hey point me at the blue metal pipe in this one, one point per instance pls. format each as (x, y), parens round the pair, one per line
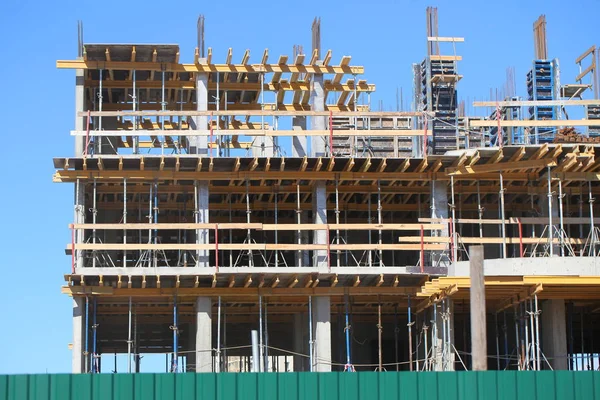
(348, 358)
(155, 210)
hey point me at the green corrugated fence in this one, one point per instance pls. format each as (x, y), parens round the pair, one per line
(491, 385)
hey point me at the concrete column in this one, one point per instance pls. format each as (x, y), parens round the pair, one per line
(203, 334)
(322, 335)
(301, 342)
(78, 335)
(199, 144)
(79, 194)
(417, 141)
(202, 236)
(320, 217)
(79, 106)
(318, 148)
(554, 333)
(439, 209)
(299, 142)
(302, 258)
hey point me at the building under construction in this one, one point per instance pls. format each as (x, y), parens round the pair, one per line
(217, 197)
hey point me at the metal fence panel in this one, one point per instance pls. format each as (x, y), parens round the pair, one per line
(491, 385)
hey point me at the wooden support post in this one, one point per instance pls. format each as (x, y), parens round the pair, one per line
(478, 322)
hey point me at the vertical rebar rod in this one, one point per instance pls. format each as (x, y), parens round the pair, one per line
(550, 230)
(502, 216)
(129, 339)
(218, 361)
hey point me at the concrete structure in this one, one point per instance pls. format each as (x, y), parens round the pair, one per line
(195, 197)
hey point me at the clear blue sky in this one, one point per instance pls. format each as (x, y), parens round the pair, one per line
(38, 103)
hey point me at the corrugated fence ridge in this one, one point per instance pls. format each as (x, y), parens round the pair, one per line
(491, 385)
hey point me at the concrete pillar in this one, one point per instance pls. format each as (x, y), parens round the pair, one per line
(322, 334)
(554, 333)
(320, 217)
(199, 144)
(79, 194)
(439, 209)
(202, 235)
(299, 142)
(79, 106)
(318, 148)
(203, 334)
(301, 342)
(78, 335)
(417, 141)
(302, 258)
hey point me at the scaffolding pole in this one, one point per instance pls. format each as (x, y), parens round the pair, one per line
(337, 222)
(550, 230)
(124, 221)
(410, 343)
(562, 225)
(502, 217)
(453, 207)
(218, 362)
(129, 339)
(299, 220)
(310, 336)
(379, 221)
